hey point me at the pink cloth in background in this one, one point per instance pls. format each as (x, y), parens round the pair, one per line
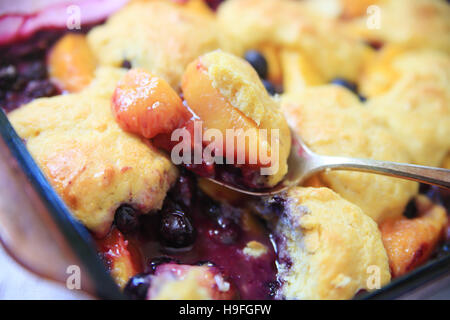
(19, 19)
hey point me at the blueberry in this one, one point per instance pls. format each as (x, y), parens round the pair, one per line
(350, 86)
(277, 204)
(439, 196)
(34, 70)
(258, 62)
(155, 262)
(39, 88)
(269, 206)
(213, 209)
(344, 83)
(410, 210)
(176, 229)
(8, 75)
(227, 233)
(126, 219)
(269, 87)
(137, 287)
(126, 64)
(184, 190)
(443, 250)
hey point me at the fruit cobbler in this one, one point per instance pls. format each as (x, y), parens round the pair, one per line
(98, 110)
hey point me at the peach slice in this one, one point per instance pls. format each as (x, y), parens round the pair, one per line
(216, 112)
(119, 257)
(410, 242)
(298, 71)
(353, 9)
(71, 63)
(147, 105)
(272, 56)
(379, 73)
(220, 193)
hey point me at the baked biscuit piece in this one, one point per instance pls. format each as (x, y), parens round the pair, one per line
(288, 23)
(157, 36)
(414, 23)
(328, 248)
(93, 164)
(332, 121)
(412, 95)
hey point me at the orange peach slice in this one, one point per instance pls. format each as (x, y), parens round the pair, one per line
(410, 242)
(216, 112)
(147, 105)
(71, 63)
(119, 257)
(220, 193)
(272, 56)
(352, 9)
(379, 73)
(298, 71)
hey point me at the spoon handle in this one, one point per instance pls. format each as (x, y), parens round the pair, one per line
(430, 175)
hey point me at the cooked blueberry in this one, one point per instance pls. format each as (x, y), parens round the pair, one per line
(137, 286)
(410, 210)
(8, 75)
(126, 64)
(423, 188)
(443, 250)
(269, 87)
(258, 62)
(213, 210)
(439, 196)
(227, 232)
(126, 219)
(270, 205)
(344, 83)
(155, 262)
(39, 88)
(362, 98)
(176, 229)
(277, 204)
(184, 190)
(34, 70)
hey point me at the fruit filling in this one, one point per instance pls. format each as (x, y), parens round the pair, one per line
(192, 230)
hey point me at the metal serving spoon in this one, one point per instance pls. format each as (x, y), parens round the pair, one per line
(303, 163)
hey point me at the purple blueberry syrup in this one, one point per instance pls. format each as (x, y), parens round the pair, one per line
(23, 68)
(220, 239)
